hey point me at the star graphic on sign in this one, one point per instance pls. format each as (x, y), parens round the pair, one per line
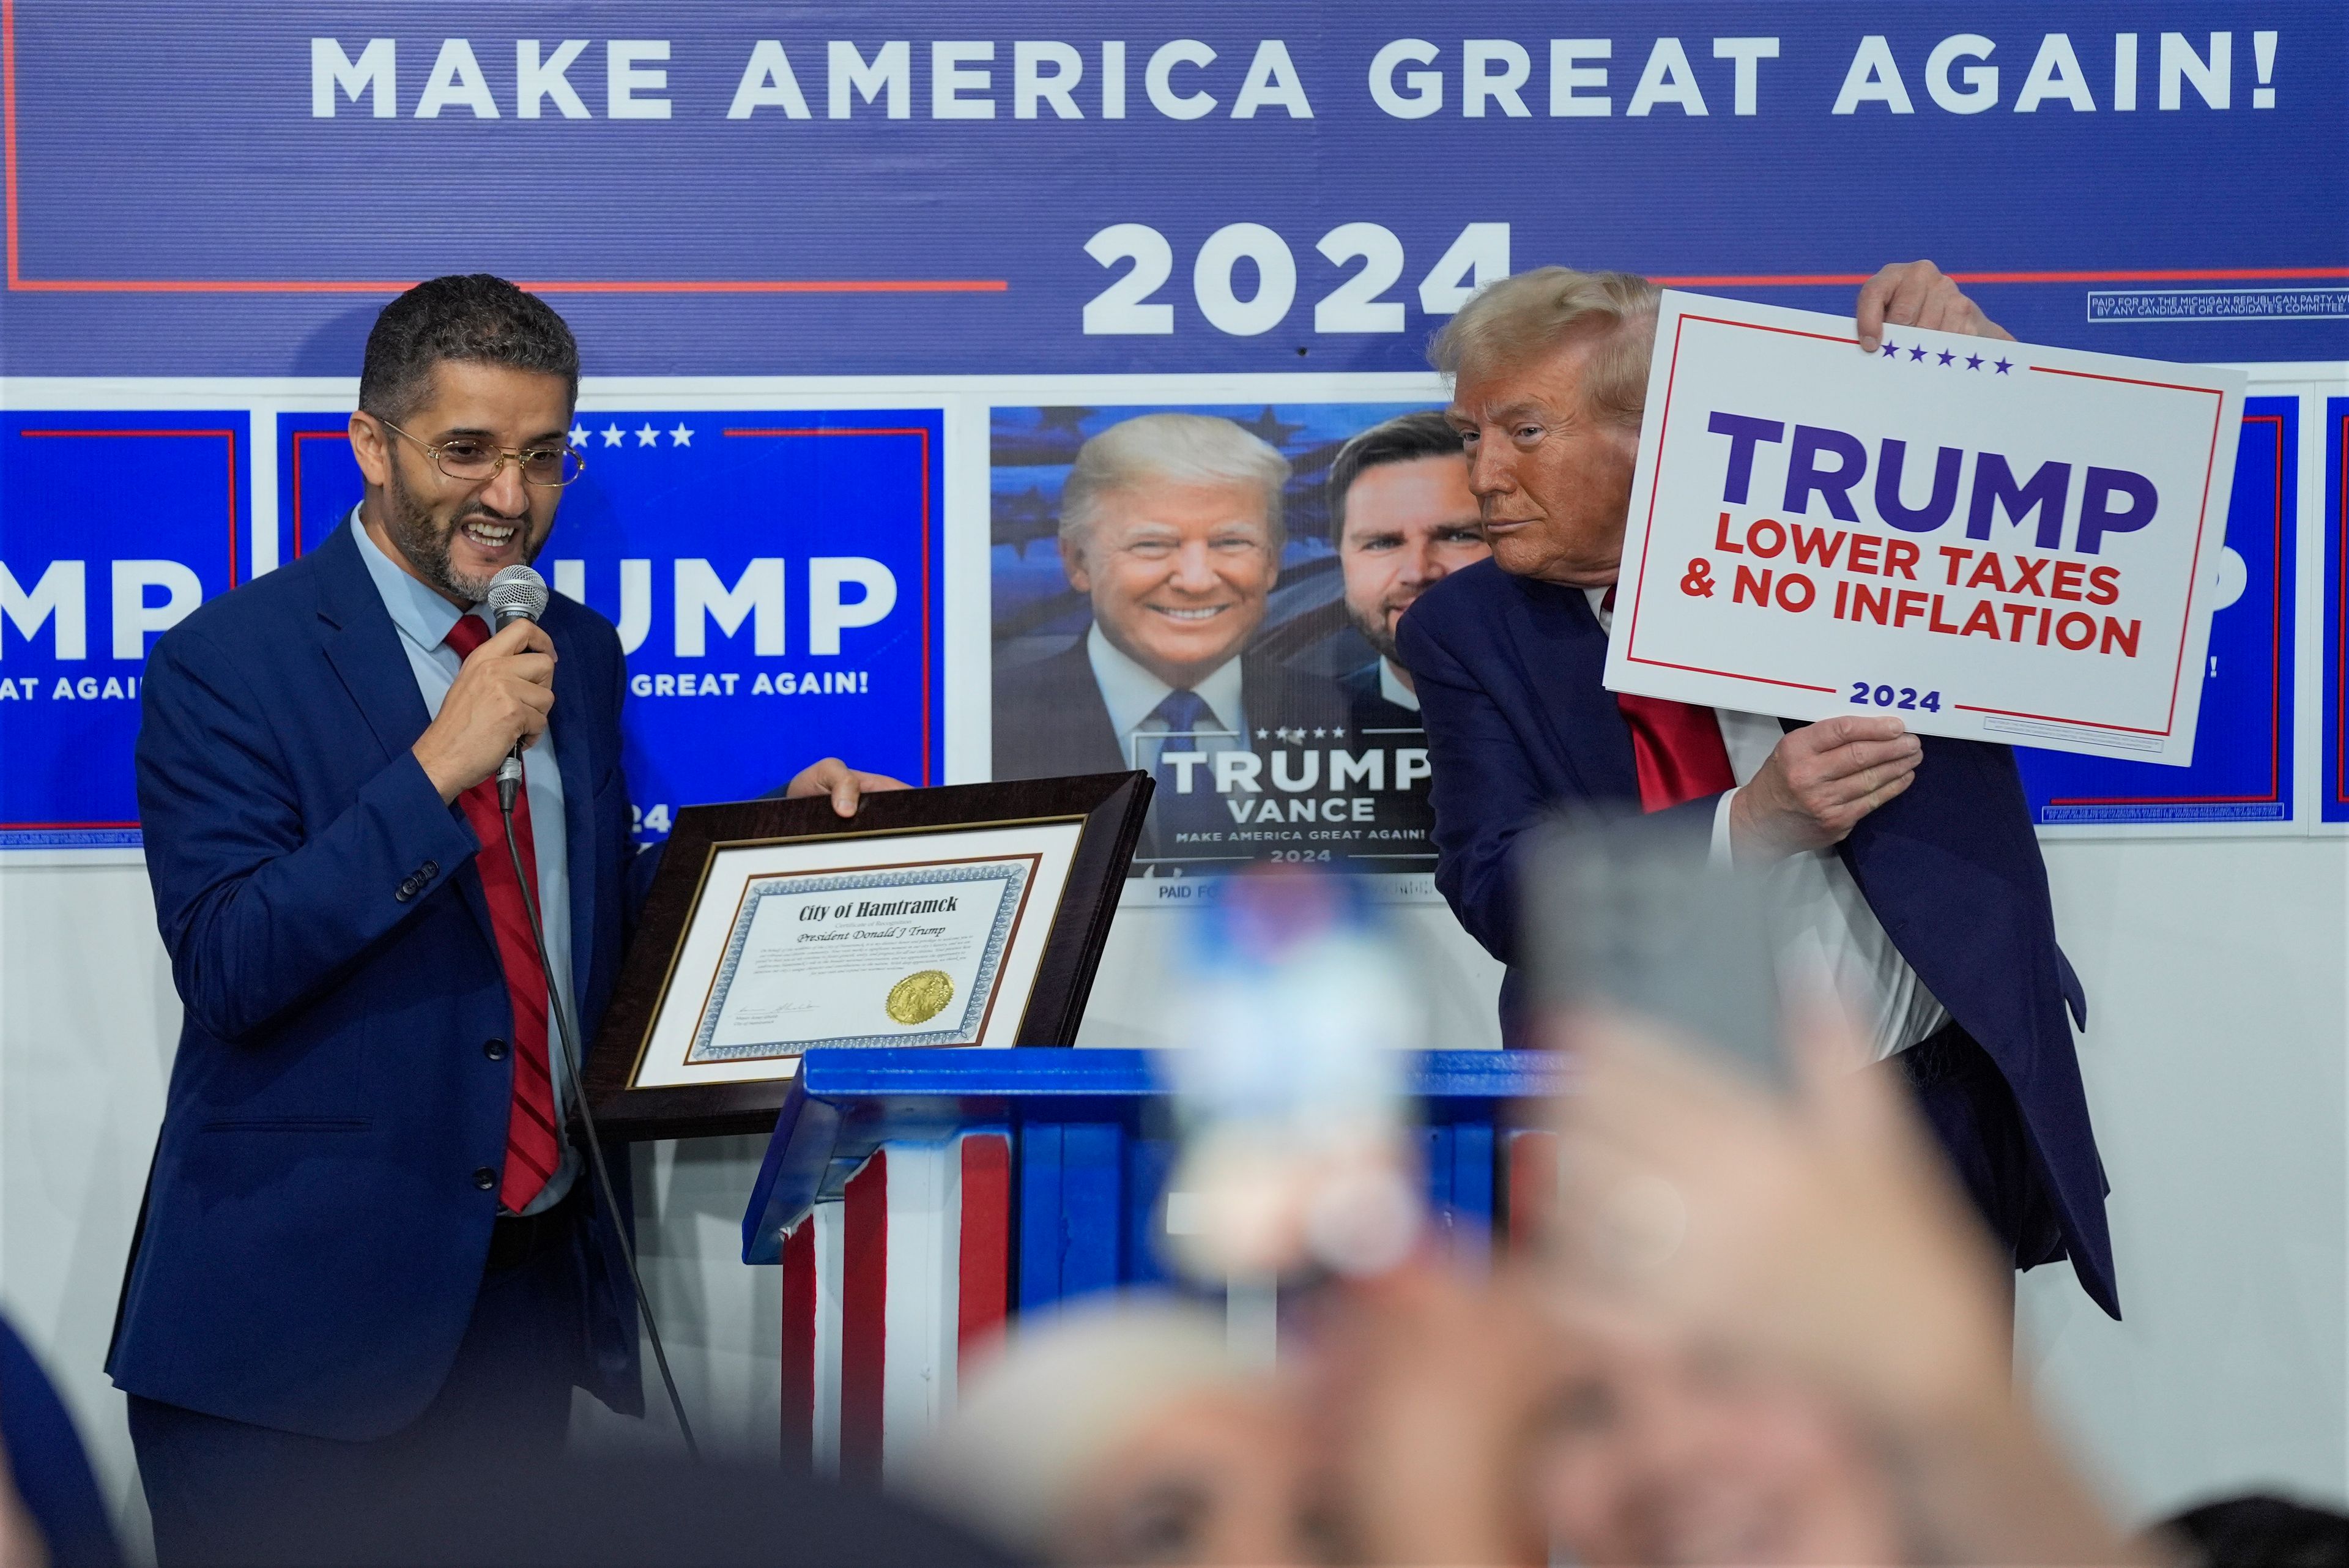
(1915, 353)
(1891, 349)
(680, 436)
(1946, 357)
(1264, 734)
(1320, 732)
(612, 435)
(1973, 361)
(1335, 730)
(648, 436)
(2004, 366)
(578, 435)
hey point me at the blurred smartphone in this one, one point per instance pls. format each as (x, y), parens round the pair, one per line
(1627, 913)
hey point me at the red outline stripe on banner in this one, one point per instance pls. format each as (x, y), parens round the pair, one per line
(18, 282)
(2275, 688)
(231, 437)
(923, 432)
(863, 1318)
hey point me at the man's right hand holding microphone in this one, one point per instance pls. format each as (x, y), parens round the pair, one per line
(502, 694)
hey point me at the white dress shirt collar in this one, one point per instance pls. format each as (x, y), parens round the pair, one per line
(1391, 688)
(1598, 598)
(1132, 692)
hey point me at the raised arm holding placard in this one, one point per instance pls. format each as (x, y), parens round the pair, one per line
(1910, 876)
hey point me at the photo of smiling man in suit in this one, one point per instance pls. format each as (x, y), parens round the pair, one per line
(1170, 523)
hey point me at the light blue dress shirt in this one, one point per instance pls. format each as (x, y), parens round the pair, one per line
(424, 618)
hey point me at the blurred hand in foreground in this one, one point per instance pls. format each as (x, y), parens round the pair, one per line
(1816, 1236)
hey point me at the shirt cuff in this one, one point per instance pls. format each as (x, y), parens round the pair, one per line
(1720, 857)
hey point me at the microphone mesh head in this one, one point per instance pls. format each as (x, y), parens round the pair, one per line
(515, 594)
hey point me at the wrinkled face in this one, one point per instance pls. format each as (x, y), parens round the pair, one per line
(1223, 1476)
(1662, 1459)
(1407, 525)
(1178, 574)
(1552, 480)
(456, 534)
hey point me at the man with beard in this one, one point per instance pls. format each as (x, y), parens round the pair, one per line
(1171, 527)
(1404, 518)
(365, 1234)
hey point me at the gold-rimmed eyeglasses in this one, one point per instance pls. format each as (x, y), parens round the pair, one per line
(471, 460)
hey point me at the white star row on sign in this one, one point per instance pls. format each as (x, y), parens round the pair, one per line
(682, 435)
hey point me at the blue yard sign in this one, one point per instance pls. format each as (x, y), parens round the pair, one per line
(775, 577)
(2242, 751)
(113, 526)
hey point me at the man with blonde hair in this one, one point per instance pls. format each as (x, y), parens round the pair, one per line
(1171, 525)
(1903, 869)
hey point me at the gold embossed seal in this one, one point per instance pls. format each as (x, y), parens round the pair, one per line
(920, 996)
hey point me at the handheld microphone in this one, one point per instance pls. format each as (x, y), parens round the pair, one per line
(517, 593)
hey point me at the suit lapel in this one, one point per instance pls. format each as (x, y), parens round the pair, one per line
(364, 648)
(1562, 654)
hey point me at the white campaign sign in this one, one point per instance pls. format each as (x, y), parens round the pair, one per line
(1984, 539)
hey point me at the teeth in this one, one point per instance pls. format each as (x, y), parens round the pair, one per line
(489, 534)
(1190, 614)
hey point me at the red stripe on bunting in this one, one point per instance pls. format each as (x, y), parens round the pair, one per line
(986, 1285)
(798, 1346)
(863, 1318)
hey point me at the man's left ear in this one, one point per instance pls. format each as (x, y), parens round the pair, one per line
(369, 446)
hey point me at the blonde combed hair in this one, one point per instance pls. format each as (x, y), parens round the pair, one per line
(1170, 449)
(1524, 316)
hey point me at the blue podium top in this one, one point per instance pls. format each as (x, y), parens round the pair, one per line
(847, 1103)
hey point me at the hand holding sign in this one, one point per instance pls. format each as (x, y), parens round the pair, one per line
(1817, 784)
(1989, 541)
(1919, 294)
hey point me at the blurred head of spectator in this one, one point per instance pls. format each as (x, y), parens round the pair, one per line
(1125, 1432)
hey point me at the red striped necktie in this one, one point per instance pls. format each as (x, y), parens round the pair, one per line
(534, 1149)
(1677, 746)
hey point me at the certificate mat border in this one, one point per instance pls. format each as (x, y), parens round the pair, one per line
(1003, 932)
(1110, 806)
(709, 862)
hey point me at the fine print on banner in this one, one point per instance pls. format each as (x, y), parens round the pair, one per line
(1984, 539)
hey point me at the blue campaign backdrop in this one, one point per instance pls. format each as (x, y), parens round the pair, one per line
(775, 577)
(1210, 186)
(2242, 745)
(734, 187)
(153, 508)
(2336, 770)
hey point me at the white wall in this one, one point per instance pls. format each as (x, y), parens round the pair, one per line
(2216, 1069)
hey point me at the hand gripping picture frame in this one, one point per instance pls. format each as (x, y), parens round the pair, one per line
(966, 916)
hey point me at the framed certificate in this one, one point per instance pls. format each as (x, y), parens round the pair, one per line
(972, 915)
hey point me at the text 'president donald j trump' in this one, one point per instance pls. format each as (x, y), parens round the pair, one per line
(1904, 867)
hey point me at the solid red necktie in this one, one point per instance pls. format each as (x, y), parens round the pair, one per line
(533, 1148)
(1677, 746)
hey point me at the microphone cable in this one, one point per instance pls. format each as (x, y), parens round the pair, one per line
(561, 1006)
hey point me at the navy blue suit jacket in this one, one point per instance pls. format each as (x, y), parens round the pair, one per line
(314, 1234)
(1508, 675)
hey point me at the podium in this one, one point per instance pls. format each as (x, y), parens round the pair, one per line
(917, 1199)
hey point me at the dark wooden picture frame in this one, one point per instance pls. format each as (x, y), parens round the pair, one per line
(1112, 807)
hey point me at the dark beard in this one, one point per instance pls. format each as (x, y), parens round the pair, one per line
(409, 523)
(1373, 628)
